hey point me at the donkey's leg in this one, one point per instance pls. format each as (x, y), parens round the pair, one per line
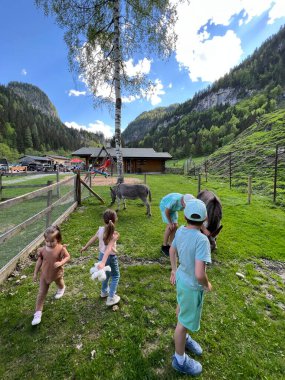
(118, 201)
(147, 206)
(124, 200)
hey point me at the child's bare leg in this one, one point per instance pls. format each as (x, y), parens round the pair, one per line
(172, 234)
(42, 295)
(167, 234)
(60, 283)
(180, 339)
(177, 311)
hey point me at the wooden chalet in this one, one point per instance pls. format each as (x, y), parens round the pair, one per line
(136, 160)
(26, 160)
(59, 160)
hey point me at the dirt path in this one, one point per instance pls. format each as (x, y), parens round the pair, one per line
(110, 181)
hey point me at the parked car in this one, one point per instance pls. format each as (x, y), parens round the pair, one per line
(4, 168)
(47, 168)
(34, 166)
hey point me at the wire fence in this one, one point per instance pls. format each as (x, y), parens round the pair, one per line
(259, 171)
(24, 218)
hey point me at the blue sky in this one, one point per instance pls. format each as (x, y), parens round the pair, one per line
(213, 36)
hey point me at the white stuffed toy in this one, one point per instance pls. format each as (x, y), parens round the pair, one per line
(99, 273)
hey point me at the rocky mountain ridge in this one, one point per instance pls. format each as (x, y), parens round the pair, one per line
(35, 97)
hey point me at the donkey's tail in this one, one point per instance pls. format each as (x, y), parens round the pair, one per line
(149, 195)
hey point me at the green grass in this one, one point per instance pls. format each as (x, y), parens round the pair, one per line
(242, 328)
(21, 180)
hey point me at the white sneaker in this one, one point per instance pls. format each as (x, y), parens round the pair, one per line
(59, 293)
(37, 318)
(113, 300)
(104, 294)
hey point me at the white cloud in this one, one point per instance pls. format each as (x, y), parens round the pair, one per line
(142, 67)
(73, 124)
(130, 99)
(153, 95)
(100, 126)
(76, 93)
(170, 85)
(209, 57)
(97, 126)
(24, 72)
(277, 11)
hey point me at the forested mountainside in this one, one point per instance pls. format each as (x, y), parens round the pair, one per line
(29, 124)
(33, 95)
(215, 116)
(138, 128)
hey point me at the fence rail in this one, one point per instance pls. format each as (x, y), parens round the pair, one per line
(24, 218)
(33, 194)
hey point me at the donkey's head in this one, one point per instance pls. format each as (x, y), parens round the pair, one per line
(214, 211)
(212, 238)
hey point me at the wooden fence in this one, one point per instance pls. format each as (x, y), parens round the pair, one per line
(74, 194)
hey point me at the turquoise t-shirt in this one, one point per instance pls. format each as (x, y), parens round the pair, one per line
(171, 201)
(190, 244)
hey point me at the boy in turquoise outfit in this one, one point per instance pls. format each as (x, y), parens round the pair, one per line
(169, 205)
(193, 249)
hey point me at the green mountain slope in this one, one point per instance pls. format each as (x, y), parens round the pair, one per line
(253, 153)
(215, 116)
(29, 124)
(138, 128)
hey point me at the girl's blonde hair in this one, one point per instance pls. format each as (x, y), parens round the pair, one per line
(110, 218)
(54, 233)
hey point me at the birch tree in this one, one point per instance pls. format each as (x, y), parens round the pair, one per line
(102, 38)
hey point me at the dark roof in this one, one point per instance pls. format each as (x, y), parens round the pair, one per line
(54, 156)
(34, 158)
(127, 153)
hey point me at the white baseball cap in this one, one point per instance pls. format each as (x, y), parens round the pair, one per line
(195, 210)
(187, 197)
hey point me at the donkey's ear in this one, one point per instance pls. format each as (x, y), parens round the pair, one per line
(216, 233)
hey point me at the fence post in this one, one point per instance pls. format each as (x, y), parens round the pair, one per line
(75, 188)
(249, 189)
(49, 202)
(57, 180)
(89, 180)
(230, 170)
(0, 187)
(199, 182)
(78, 188)
(206, 170)
(275, 174)
(144, 178)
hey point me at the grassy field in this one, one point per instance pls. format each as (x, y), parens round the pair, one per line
(242, 330)
(26, 180)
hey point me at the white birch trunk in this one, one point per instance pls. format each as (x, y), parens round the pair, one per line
(117, 81)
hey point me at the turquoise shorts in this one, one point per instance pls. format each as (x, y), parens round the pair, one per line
(190, 303)
(173, 216)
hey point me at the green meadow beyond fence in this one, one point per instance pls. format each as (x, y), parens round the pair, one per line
(24, 218)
